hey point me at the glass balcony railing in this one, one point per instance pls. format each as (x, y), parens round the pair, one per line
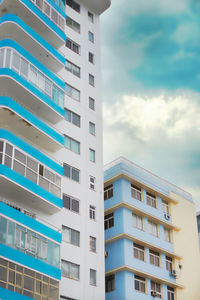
(25, 165)
(10, 58)
(51, 12)
(29, 242)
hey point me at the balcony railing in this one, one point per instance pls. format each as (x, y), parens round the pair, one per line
(25, 165)
(10, 58)
(50, 12)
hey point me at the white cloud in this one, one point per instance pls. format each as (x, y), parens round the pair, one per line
(174, 116)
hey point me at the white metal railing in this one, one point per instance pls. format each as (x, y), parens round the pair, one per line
(10, 58)
(17, 160)
(50, 12)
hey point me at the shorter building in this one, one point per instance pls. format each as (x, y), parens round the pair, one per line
(151, 236)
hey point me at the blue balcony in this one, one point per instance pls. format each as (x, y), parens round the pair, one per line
(25, 79)
(29, 242)
(28, 176)
(48, 20)
(14, 28)
(19, 121)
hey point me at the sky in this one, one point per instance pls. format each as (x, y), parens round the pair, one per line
(151, 87)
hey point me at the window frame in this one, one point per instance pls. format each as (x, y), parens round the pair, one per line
(138, 251)
(110, 281)
(71, 200)
(108, 192)
(141, 283)
(109, 221)
(154, 258)
(136, 192)
(137, 220)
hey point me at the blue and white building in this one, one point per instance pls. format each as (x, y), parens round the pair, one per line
(151, 238)
(51, 206)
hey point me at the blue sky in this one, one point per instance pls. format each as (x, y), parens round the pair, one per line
(151, 87)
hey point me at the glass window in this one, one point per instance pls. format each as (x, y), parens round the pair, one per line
(151, 200)
(156, 289)
(91, 57)
(75, 175)
(74, 5)
(167, 235)
(91, 103)
(90, 17)
(170, 293)
(92, 183)
(91, 80)
(108, 192)
(72, 117)
(154, 258)
(138, 251)
(72, 92)
(137, 221)
(110, 283)
(91, 36)
(73, 24)
(24, 68)
(16, 61)
(71, 236)
(67, 170)
(8, 58)
(91, 128)
(69, 66)
(136, 192)
(71, 172)
(153, 228)
(92, 277)
(2, 54)
(92, 212)
(70, 270)
(73, 46)
(108, 221)
(92, 155)
(169, 263)
(140, 284)
(92, 244)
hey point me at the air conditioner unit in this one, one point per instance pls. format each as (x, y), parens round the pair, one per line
(153, 294)
(167, 216)
(106, 253)
(174, 273)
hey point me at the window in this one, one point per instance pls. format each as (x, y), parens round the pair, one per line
(14, 60)
(91, 128)
(108, 192)
(73, 24)
(91, 103)
(92, 183)
(167, 235)
(92, 212)
(70, 203)
(169, 263)
(154, 258)
(138, 251)
(153, 228)
(73, 118)
(90, 17)
(74, 69)
(136, 192)
(29, 242)
(137, 221)
(156, 287)
(92, 244)
(72, 144)
(30, 168)
(70, 270)
(17, 278)
(170, 293)
(140, 284)
(93, 275)
(108, 221)
(71, 172)
(92, 155)
(165, 207)
(110, 283)
(73, 46)
(91, 36)
(72, 92)
(71, 236)
(151, 200)
(91, 79)
(91, 57)
(74, 5)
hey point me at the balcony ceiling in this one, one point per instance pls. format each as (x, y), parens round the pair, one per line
(97, 6)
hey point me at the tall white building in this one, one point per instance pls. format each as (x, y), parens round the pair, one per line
(51, 168)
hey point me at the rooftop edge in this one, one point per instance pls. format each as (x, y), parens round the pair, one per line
(97, 6)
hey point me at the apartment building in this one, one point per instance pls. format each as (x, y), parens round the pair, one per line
(51, 198)
(151, 236)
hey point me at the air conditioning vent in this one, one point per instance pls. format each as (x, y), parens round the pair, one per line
(106, 254)
(153, 294)
(174, 273)
(167, 216)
